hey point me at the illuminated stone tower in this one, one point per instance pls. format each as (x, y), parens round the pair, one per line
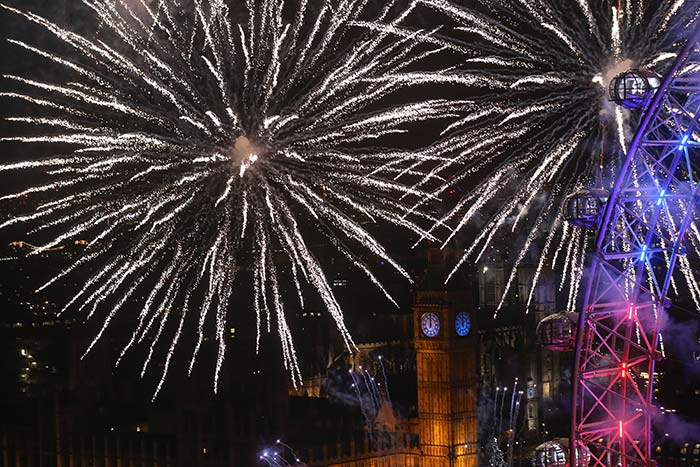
(446, 365)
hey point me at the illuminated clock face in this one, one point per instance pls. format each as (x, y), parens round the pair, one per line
(430, 324)
(462, 323)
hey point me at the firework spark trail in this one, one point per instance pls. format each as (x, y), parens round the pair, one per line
(374, 385)
(662, 243)
(570, 254)
(207, 145)
(575, 276)
(540, 264)
(495, 404)
(356, 387)
(541, 115)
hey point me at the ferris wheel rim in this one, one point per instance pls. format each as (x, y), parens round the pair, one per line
(651, 112)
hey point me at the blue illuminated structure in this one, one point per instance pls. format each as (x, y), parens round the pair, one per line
(463, 324)
(637, 247)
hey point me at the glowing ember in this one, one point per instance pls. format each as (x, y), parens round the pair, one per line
(244, 154)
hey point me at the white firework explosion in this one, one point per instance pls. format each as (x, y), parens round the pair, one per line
(204, 135)
(540, 125)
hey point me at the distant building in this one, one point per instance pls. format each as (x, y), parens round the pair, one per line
(442, 432)
(508, 346)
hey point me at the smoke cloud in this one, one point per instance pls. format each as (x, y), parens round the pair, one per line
(676, 428)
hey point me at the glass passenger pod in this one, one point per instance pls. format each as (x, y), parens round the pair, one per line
(551, 454)
(634, 89)
(557, 332)
(585, 207)
(555, 453)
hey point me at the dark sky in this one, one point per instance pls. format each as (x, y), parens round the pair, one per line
(22, 276)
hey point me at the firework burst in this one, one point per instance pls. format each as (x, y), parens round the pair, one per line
(540, 124)
(207, 140)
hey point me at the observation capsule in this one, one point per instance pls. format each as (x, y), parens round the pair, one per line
(551, 454)
(585, 207)
(557, 332)
(634, 89)
(555, 453)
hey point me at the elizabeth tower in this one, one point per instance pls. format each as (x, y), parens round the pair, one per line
(445, 345)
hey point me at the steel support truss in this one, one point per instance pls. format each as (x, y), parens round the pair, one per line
(638, 245)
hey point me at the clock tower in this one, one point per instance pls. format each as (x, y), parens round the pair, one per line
(446, 369)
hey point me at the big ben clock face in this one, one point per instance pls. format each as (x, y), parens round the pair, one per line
(463, 324)
(430, 324)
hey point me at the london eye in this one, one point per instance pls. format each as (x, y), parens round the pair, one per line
(641, 230)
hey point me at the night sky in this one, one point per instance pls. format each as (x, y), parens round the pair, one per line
(116, 398)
